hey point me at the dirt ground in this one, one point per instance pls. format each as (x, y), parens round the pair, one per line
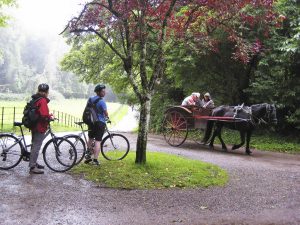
(263, 189)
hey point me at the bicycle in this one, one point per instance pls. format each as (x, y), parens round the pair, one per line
(13, 149)
(113, 146)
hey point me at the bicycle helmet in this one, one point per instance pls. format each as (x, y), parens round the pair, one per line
(43, 87)
(99, 87)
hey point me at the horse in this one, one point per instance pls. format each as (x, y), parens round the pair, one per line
(244, 119)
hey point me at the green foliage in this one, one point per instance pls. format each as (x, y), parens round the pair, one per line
(4, 17)
(28, 60)
(165, 96)
(264, 140)
(272, 76)
(214, 72)
(93, 61)
(11, 97)
(161, 171)
(277, 76)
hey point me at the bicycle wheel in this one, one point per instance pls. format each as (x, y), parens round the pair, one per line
(10, 151)
(115, 147)
(59, 154)
(79, 145)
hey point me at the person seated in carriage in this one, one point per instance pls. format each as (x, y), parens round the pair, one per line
(207, 102)
(193, 99)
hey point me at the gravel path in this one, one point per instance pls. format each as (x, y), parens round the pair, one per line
(263, 189)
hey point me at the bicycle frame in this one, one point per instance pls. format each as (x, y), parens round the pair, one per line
(84, 135)
(22, 141)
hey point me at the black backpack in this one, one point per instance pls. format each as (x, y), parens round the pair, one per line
(90, 113)
(30, 117)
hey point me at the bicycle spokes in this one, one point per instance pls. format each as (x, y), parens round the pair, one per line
(10, 151)
(59, 154)
(115, 147)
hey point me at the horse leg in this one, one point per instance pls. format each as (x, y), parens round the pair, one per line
(220, 138)
(215, 133)
(209, 128)
(242, 134)
(249, 133)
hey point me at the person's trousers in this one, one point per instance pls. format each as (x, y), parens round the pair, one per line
(37, 141)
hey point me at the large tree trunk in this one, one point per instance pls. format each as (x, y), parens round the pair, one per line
(141, 144)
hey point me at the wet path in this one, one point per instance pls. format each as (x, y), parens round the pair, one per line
(263, 189)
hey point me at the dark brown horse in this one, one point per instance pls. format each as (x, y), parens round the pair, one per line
(246, 119)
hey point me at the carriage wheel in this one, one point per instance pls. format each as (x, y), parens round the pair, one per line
(175, 128)
(197, 135)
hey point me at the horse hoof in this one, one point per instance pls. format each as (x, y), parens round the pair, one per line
(248, 152)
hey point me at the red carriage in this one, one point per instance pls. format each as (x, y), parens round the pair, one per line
(179, 121)
(183, 121)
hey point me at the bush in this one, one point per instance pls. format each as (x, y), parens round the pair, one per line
(12, 97)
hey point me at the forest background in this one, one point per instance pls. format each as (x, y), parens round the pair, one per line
(270, 76)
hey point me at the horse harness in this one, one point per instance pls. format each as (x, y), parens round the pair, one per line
(254, 120)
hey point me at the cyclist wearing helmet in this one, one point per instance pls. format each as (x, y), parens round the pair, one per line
(97, 130)
(38, 132)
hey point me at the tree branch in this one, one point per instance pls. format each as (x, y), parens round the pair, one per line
(160, 58)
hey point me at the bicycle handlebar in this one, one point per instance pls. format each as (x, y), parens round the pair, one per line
(53, 119)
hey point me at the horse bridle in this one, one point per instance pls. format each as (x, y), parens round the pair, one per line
(261, 120)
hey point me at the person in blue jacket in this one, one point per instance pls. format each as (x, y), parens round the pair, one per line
(96, 131)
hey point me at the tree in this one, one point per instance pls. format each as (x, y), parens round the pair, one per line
(142, 32)
(277, 76)
(3, 16)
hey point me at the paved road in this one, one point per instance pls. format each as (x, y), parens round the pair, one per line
(263, 189)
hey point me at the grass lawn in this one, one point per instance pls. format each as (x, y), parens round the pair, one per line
(73, 107)
(161, 171)
(264, 140)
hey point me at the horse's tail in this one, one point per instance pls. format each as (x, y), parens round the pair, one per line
(208, 131)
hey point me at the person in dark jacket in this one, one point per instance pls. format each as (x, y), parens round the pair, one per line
(39, 131)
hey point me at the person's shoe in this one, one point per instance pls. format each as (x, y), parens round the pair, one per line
(35, 170)
(40, 166)
(87, 156)
(26, 156)
(95, 162)
(87, 161)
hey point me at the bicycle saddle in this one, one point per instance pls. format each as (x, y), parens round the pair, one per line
(79, 123)
(18, 124)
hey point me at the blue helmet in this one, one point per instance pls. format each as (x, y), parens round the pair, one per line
(99, 87)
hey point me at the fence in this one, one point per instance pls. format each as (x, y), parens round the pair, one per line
(10, 114)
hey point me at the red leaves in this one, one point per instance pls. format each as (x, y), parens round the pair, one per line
(192, 20)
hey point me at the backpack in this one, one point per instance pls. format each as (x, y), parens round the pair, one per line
(90, 113)
(30, 117)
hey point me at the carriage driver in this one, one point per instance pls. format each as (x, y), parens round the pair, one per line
(193, 99)
(207, 102)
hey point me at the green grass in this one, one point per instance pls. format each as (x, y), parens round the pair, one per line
(161, 171)
(118, 114)
(72, 107)
(75, 107)
(266, 141)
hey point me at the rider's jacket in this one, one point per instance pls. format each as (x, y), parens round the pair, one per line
(43, 111)
(209, 104)
(188, 101)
